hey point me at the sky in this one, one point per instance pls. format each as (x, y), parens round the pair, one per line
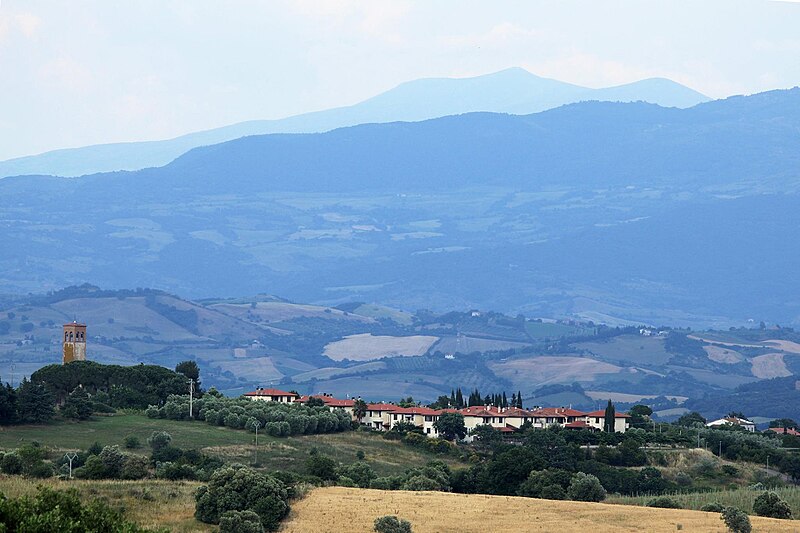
(97, 71)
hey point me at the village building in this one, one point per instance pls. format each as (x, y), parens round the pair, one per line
(271, 395)
(733, 421)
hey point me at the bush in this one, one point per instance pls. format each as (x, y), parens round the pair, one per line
(713, 507)
(736, 520)
(132, 442)
(586, 488)
(361, 474)
(771, 505)
(240, 522)
(553, 492)
(238, 488)
(52, 510)
(322, 467)
(664, 502)
(159, 440)
(135, 467)
(392, 524)
(419, 483)
(11, 464)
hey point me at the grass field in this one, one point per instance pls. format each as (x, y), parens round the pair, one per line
(274, 453)
(742, 498)
(336, 509)
(149, 503)
(364, 347)
(633, 349)
(550, 369)
(543, 330)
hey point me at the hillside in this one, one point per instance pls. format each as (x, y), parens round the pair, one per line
(510, 91)
(387, 354)
(335, 509)
(474, 211)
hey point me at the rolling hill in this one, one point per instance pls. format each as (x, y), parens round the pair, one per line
(510, 91)
(616, 213)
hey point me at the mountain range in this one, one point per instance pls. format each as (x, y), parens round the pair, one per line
(514, 91)
(611, 212)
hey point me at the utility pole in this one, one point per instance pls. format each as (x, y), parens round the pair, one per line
(191, 395)
(70, 456)
(720, 449)
(256, 426)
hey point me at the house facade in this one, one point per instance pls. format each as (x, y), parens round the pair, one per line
(271, 395)
(733, 421)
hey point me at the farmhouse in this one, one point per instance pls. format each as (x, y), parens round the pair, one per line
(271, 395)
(733, 421)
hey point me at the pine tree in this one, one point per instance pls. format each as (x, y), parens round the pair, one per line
(35, 403)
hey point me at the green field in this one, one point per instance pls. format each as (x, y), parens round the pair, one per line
(543, 330)
(633, 349)
(742, 498)
(274, 453)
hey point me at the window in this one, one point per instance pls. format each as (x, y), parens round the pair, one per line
(427, 430)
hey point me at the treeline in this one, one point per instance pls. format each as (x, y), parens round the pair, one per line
(81, 388)
(456, 400)
(276, 419)
(133, 387)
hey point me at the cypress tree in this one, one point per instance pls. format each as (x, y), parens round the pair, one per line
(610, 417)
(519, 399)
(505, 400)
(459, 398)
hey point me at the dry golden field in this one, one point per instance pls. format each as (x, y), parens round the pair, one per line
(339, 509)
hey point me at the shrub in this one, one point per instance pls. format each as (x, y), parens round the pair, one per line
(420, 482)
(392, 524)
(135, 467)
(736, 520)
(240, 522)
(322, 467)
(771, 505)
(52, 510)
(238, 488)
(361, 474)
(586, 488)
(553, 492)
(664, 502)
(11, 464)
(713, 507)
(159, 440)
(132, 442)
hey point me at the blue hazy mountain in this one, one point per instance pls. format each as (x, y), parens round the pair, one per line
(513, 91)
(607, 211)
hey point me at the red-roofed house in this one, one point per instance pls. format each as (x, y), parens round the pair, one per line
(597, 419)
(785, 431)
(271, 395)
(331, 403)
(548, 416)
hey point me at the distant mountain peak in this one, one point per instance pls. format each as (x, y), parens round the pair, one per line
(512, 90)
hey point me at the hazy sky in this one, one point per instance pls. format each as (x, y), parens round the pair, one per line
(92, 71)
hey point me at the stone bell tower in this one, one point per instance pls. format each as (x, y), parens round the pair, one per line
(74, 342)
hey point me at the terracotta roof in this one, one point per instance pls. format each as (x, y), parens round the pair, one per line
(506, 429)
(556, 412)
(416, 411)
(785, 431)
(602, 414)
(269, 392)
(381, 407)
(334, 402)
